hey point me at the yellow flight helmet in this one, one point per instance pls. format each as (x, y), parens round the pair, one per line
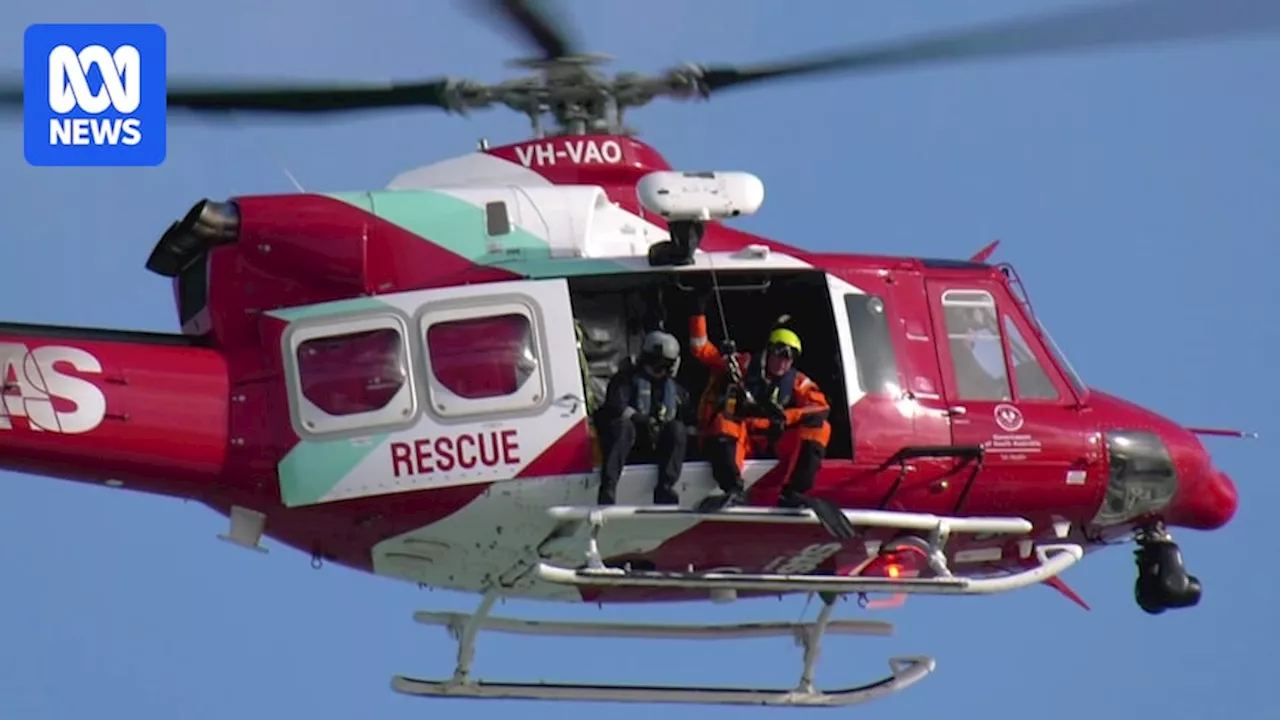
(783, 336)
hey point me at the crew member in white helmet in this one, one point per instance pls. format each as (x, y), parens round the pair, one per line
(645, 411)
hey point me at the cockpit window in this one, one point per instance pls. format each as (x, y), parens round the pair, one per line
(1032, 381)
(1077, 383)
(977, 352)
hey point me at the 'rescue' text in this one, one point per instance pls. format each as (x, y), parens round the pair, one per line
(447, 453)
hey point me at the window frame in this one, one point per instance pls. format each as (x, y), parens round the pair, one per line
(310, 421)
(526, 401)
(1043, 357)
(1000, 338)
(863, 353)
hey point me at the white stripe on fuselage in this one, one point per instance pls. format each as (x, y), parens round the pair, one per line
(496, 537)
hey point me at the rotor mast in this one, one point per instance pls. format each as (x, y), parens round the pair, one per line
(569, 96)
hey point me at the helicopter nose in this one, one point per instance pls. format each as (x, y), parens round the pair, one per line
(1208, 504)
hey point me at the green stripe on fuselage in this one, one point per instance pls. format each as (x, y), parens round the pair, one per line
(453, 224)
(462, 228)
(312, 470)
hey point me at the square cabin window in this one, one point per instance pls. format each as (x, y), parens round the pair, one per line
(351, 376)
(481, 364)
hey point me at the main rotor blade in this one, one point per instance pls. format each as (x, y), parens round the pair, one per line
(1130, 23)
(535, 22)
(300, 99)
(308, 99)
(11, 91)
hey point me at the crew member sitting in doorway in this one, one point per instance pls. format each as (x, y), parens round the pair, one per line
(644, 406)
(754, 403)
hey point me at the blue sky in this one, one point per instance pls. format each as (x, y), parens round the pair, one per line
(1134, 190)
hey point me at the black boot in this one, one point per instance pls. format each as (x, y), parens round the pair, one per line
(722, 454)
(803, 475)
(665, 496)
(716, 503)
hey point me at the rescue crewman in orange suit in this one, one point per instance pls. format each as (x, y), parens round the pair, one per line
(753, 403)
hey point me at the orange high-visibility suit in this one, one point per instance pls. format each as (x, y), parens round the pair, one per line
(794, 410)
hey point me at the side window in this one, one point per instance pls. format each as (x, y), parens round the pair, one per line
(483, 360)
(497, 221)
(1028, 374)
(352, 375)
(977, 352)
(872, 344)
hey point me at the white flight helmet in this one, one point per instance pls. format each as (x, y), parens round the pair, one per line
(663, 347)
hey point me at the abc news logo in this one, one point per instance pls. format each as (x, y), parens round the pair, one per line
(69, 89)
(94, 95)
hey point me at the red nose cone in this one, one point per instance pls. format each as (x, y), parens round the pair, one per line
(1211, 504)
(1224, 500)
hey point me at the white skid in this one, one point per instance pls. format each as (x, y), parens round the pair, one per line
(906, 671)
(1053, 560)
(866, 518)
(516, 626)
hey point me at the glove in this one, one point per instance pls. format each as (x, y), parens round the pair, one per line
(732, 367)
(645, 424)
(777, 421)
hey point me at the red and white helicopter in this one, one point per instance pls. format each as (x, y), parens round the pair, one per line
(400, 380)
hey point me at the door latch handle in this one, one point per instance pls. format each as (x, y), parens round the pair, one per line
(573, 401)
(957, 410)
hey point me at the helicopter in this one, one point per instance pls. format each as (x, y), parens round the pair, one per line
(401, 380)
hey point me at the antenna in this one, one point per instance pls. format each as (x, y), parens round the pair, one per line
(297, 185)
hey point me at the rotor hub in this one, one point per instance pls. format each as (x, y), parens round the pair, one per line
(577, 60)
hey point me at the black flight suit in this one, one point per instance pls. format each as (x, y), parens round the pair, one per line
(651, 414)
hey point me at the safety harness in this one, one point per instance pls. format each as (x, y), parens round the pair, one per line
(642, 397)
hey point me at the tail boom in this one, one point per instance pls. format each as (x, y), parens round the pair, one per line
(146, 411)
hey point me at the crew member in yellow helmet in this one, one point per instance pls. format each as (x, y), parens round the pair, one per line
(753, 404)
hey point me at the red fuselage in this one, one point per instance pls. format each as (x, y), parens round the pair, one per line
(204, 415)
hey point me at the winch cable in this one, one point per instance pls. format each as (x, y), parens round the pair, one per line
(715, 289)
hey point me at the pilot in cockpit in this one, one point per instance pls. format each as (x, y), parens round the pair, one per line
(977, 352)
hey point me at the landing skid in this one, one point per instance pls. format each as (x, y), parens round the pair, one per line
(905, 671)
